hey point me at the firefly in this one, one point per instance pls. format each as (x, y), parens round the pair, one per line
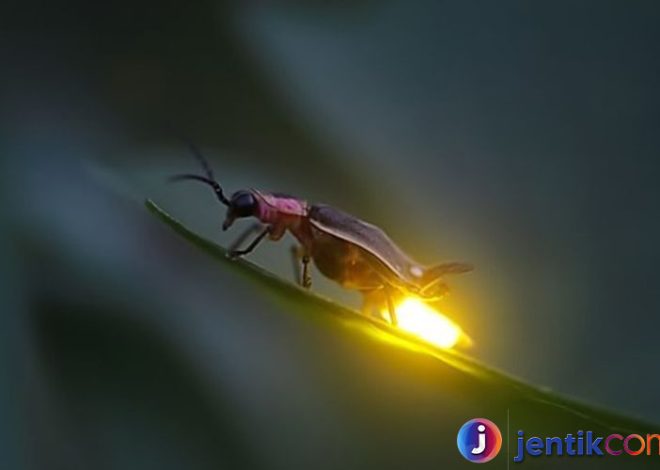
(354, 253)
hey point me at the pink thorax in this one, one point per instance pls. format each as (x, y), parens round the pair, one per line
(271, 208)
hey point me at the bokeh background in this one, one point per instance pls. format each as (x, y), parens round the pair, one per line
(519, 136)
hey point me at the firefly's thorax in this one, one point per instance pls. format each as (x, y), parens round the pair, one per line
(274, 207)
(269, 208)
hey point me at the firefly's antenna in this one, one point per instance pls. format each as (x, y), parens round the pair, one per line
(208, 179)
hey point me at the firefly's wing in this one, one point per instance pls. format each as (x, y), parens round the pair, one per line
(434, 274)
(368, 237)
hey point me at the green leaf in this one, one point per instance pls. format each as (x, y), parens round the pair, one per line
(471, 389)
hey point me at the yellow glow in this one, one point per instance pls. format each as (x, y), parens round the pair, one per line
(416, 317)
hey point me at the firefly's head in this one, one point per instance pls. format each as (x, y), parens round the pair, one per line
(242, 203)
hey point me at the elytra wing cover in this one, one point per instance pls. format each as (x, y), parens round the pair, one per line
(367, 236)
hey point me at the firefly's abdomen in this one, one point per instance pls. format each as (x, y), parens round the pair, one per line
(343, 262)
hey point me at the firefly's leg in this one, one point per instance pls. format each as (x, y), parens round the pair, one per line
(306, 278)
(390, 305)
(298, 255)
(374, 300)
(243, 236)
(251, 246)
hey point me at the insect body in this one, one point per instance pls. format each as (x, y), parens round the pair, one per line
(354, 253)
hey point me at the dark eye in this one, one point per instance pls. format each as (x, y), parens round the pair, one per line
(243, 204)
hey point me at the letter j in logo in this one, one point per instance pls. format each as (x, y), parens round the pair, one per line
(479, 440)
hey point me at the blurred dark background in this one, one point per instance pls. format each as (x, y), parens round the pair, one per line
(519, 136)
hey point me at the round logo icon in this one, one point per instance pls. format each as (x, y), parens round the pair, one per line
(479, 440)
